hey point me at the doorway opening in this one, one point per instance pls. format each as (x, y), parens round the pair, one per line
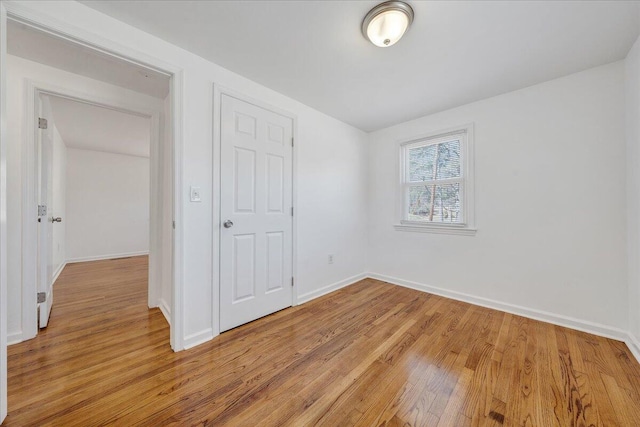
(111, 119)
(94, 190)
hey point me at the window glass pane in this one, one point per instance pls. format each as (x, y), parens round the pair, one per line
(421, 160)
(438, 161)
(449, 160)
(435, 203)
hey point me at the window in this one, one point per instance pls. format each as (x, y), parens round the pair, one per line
(437, 187)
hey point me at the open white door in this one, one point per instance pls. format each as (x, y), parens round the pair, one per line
(256, 243)
(3, 213)
(46, 220)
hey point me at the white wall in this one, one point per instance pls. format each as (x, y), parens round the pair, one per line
(59, 166)
(107, 205)
(328, 151)
(550, 203)
(632, 91)
(18, 71)
(332, 205)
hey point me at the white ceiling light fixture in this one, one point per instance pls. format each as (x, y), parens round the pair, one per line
(386, 23)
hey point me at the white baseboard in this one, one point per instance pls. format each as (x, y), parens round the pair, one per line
(634, 345)
(544, 316)
(165, 309)
(58, 271)
(14, 338)
(330, 288)
(197, 338)
(103, 257)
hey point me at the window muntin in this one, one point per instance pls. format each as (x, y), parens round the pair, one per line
(434, 180)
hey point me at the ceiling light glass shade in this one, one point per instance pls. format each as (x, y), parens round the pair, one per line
(386, 23)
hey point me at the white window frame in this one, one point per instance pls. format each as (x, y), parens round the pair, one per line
(467, 225)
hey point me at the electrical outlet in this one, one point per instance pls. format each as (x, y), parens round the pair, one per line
(331, 259)
(195, 194)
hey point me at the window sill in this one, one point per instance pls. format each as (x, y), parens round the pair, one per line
(419, 228)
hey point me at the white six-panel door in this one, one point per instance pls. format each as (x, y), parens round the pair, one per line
(256, 227)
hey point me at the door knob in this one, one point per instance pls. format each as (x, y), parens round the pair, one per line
(58, 219)
(228, 224)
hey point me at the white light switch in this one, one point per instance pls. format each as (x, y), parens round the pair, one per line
(195, 194)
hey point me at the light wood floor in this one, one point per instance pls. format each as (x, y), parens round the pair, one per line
(371, 354)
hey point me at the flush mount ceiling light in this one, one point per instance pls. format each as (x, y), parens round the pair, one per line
(386, 23)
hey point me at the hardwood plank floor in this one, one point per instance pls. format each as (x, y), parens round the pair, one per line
(372, 354)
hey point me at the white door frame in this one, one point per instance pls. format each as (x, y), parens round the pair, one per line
(218, 91)
(3, 213)
(27, 15)
(33, 90)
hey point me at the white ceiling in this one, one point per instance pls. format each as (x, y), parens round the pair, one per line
(29, 43)
(455, 52)
(90, 127)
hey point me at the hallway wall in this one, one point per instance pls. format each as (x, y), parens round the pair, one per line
(107, 205)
